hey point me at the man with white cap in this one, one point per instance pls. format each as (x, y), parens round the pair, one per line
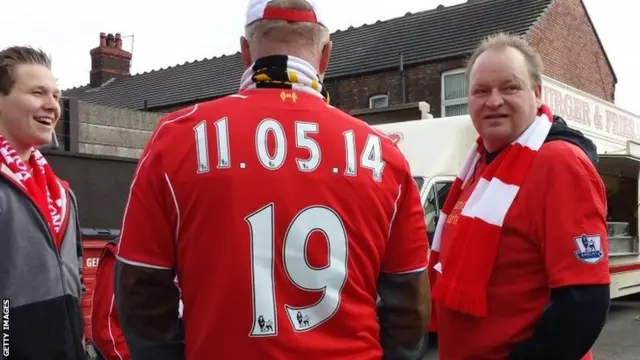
(283, 217)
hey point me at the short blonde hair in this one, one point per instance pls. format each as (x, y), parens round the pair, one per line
(13, 56)
(502, 41)
(282, 31)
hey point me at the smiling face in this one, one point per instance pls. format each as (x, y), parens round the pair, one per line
(503, 100)
(30, 110)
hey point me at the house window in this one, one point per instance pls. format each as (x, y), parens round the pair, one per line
(454, 93)
(378, 101)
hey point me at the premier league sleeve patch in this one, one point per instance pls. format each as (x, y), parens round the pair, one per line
(589, 248)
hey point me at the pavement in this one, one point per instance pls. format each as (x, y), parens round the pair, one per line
(620, 338)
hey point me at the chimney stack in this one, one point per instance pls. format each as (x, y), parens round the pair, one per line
(109, 60)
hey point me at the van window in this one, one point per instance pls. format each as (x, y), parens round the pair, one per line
(435, 200)
(419, 181)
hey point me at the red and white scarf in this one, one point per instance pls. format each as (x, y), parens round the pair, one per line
(42, 187)
(463, 277)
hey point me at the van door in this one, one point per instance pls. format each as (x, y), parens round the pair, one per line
(619, 173)
(437, 191)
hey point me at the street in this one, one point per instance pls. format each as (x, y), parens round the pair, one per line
(620, 339)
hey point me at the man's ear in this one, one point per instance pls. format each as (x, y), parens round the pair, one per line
(246, 52)
(538, 92)
(324, 59)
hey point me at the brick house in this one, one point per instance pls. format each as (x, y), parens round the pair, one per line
(382, 71)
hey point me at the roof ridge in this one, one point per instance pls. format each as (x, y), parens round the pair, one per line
(539, 19)
(187, 62)
(439, 7)
(152, 71)
(423, 36)
(408, 14)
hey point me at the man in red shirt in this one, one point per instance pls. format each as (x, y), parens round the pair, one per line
(283, 217)
(520, 258)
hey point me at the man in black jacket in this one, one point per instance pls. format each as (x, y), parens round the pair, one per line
(40, 277)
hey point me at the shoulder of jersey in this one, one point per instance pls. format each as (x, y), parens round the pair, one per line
(178, 115)
(195, 111)
(562, 153)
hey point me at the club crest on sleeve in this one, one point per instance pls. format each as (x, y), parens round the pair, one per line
(589, 248)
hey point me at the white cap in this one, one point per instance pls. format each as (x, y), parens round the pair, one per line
(258, 10)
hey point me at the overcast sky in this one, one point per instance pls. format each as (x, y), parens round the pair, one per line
(167, 34)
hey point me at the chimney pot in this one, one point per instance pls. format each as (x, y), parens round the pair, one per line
(118, 41)
(110, 40)
(103, 39)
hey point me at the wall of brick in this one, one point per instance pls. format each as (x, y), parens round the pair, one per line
(422, 84)
(114, 131)
(565, 39)
(567, 43)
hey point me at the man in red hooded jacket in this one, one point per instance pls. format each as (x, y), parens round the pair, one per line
(105, 326)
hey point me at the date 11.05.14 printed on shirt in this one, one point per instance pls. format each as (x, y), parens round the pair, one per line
(370, 158)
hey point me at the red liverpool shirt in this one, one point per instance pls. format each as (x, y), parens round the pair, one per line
(278, 212)
(562, 201)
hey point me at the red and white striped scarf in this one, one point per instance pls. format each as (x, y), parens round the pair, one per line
(42, 187)
(463, 277)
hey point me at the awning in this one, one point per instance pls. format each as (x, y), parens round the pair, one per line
(624, 165)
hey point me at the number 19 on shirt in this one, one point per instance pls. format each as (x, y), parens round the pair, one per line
(329, 279)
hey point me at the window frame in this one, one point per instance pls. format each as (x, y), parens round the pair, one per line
(373, 98)
(445, 103)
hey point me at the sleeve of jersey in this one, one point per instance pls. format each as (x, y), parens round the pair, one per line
(407, 245)
(148, 229)
(574, 240)
(105, 327)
